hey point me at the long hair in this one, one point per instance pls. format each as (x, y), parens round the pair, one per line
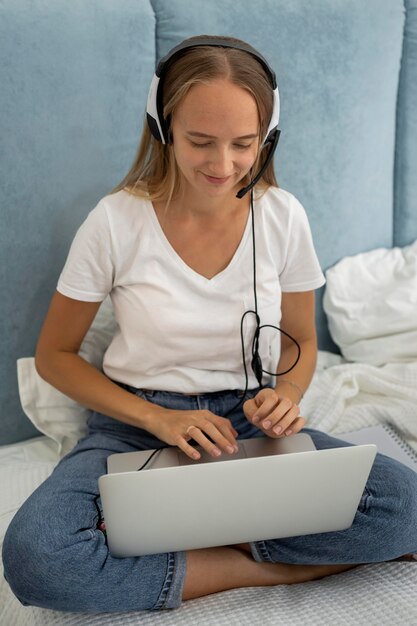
(154, 173)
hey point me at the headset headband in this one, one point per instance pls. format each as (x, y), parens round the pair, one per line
(154, 109)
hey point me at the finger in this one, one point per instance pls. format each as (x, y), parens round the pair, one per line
(227, 428)
(287, 422)
(283, 410)
(189, 450)
(210, 437)
(197, 434)
(222, 435)
(229, 432)
(266, 408)
(249, 408)
(296, 426)
(253, 404)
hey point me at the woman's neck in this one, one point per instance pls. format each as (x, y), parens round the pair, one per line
(193, 204)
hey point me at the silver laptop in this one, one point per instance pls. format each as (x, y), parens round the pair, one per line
(272, 488)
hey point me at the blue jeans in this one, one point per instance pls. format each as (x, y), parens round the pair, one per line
(55, 556)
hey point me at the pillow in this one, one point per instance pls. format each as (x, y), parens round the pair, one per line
(371, 304)
(54, 414)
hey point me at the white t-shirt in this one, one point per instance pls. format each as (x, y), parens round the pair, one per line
(179, 331)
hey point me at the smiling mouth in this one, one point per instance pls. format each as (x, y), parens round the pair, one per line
(214, 180)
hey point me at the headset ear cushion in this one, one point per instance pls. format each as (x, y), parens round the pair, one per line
(274, 121)
(167, 130)
(153, 127)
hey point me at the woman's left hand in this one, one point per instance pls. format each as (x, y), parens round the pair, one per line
(274, 414)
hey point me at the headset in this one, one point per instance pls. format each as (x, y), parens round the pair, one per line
(159, 128)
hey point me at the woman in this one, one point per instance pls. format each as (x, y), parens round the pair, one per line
(175, 247)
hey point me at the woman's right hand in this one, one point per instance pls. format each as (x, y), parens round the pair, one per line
(176, 428)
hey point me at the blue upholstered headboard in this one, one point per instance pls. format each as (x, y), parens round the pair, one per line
(74, 78)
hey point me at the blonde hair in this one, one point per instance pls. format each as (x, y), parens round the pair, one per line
(155, 173)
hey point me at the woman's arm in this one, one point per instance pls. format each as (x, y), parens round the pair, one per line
(58, 362)
(276, 411)
(298, 321)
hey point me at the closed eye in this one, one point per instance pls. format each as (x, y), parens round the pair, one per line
(238, 146)
(199, 145)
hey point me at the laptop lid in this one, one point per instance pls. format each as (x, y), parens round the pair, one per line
(238, 500)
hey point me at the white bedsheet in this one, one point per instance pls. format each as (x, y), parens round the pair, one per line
(342, 397)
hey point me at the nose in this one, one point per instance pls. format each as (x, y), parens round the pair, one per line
(221, 162)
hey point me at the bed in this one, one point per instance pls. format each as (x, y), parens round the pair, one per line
(74, 84)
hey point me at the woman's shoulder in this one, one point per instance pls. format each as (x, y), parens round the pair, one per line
(123, 202)
(278, 196)
(122, 209)
(280, 204)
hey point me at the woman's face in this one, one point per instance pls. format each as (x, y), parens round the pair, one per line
(215, 138)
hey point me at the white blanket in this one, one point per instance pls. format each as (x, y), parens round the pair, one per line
(347, 396)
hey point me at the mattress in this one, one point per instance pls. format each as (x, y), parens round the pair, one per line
(383, 593)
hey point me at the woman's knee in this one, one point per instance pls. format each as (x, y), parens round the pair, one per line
(22, 560)
(395, 488)
(40, 553)
(71, 570)
(405, 491)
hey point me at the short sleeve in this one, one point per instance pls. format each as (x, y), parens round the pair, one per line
(301, 271)
(88, 271)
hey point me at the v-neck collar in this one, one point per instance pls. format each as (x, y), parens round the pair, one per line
(183, 265)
